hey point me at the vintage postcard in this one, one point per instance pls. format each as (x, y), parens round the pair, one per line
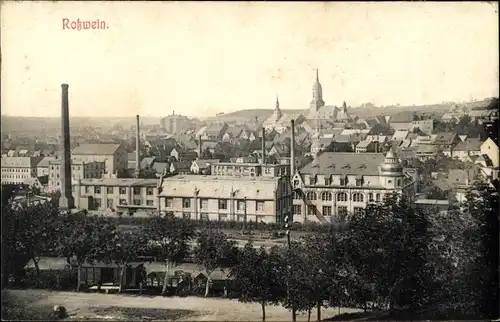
(246, 161)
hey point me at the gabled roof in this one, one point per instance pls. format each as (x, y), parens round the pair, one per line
(95, 149)
(470, 144)
(159, 167)
(182, 165)
(45, 162)
(444, 137)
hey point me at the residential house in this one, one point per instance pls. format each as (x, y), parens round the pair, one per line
(202, 166)
(467, 148)
(43, 166)
(180, 167)
(161, 167)
(490, 148)
(247, 134)
(402, 120)
(461, 180)
(446, 142)
(114, 155)
(214, 132)
(366, 146)
(425, 152)
(79, 170)
(400, 135)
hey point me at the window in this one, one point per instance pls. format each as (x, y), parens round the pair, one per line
(240, 204)
(342, 211)
(149, 191)
(109, 190)
(203, 203)
(97, 189)
(311, 195)
(358, 197)
(204, 216)
(186, 215)
(97, 202)
(149, 202)
(137, 190)
(223, 204)
(328, 181)
(343, 181)
(311, 210)
(297, 209)
(123, 201)
(389, 181)
(123, 190)
(359, 182)
(296, 183)
(260, 205)
(87, 189)
(358, 210)
(186, 203)
(370, 196)
(342, 196)
(137, 202)
(169, 202)
(327, 210)
(296, 196)
(326, 196)
(377, 197)
(110, 203)
(312, 180)
(398, 183)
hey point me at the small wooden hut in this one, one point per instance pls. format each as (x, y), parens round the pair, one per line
(108, 274)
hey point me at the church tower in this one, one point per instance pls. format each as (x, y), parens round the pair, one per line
(317, 100)
(277, 112)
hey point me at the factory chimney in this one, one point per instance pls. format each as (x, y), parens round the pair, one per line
(292, 151)
(137, 148)
(263, 146)
(200, 148)
(66, 200)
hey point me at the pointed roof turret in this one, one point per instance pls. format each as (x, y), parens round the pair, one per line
(277, 102)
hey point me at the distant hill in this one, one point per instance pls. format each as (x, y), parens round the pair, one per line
(246, 115)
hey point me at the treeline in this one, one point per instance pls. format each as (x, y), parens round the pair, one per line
(390, 257)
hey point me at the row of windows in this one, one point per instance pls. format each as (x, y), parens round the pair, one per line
(326, 210)
(15, 176)
(16, 170)
(341, 196)
(122, 190)
(110, 202)
(222, 204)
(222, 217)
(343, 182)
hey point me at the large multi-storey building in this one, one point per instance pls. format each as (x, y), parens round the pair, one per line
(79, 170)
(176, 124)
(335, 184)
(116, 195)
(259, 199)
(114, 155)
(15, 170)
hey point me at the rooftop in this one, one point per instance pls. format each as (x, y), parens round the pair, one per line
(95, 149)
(120, 182)
(345, 164)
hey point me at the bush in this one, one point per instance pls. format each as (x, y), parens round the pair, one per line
(49, 279)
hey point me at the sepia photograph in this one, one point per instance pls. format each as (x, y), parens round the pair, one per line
(249, 161)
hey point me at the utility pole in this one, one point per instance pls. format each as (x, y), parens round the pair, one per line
(289, 244)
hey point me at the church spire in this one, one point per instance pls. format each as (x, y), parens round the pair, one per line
(317, 100)
(317, 75)
(277, 102)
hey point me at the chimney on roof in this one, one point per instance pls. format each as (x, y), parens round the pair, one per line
(292, 150)
(137, 148)
(66, 200)
(200, 149)
(263, 146)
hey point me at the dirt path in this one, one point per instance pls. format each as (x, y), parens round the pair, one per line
(209, 309)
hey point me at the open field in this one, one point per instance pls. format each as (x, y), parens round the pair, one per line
(86, 306)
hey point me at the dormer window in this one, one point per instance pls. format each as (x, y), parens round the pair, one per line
(296, 183)
(328, 181)
(312, 180)
(359, 181)
(343, 180)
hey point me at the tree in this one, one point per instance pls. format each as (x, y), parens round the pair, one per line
(214, 250)
(147, 173)
(258, 276)
(170, 237)
(126, 246)
(206, 154)
(84, 238)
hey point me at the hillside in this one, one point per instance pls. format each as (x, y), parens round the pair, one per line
(247, 115)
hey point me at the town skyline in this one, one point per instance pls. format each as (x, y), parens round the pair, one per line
(388, 54)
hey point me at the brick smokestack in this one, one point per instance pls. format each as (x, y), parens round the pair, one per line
(137, 148)
(292, 150)
(66, 200)
(200, 148)
(263, 146)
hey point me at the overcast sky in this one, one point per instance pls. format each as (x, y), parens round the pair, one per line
(203, 58)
